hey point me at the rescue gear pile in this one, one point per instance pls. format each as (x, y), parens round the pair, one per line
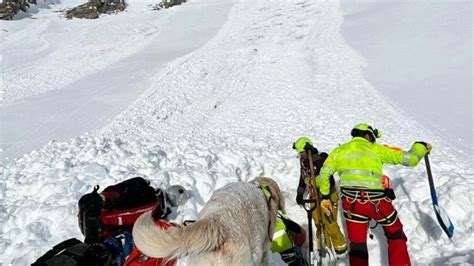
(116, 209)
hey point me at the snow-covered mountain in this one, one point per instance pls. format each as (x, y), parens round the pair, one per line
(222, 101)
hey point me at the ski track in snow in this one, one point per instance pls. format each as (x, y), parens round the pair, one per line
(57, 56)
(89, 103)
(230, 111)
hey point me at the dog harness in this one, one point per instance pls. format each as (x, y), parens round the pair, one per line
(268, 196)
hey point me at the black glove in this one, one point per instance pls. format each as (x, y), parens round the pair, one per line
(313, 149)
(324, 156)
(422, 142)
(299, 199)
(291, 226)
(427, 145)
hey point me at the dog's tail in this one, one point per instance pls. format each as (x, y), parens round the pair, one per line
(196, 238)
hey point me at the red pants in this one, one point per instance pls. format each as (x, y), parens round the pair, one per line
(358, 215)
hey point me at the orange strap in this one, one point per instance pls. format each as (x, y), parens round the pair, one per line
(392, 147)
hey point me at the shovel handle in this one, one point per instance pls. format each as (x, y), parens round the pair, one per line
(434, 197)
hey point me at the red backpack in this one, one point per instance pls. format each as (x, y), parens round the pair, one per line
(116, 209)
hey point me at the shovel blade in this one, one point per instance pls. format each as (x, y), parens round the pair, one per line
(444, 221)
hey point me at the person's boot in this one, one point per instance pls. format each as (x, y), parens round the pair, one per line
(340, 250)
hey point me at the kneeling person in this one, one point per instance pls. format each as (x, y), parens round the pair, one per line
(288, 239)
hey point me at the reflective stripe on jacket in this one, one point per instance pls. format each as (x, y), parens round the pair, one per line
(359, 163)
(281, 240)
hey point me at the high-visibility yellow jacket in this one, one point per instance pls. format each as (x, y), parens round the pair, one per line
(281, 240)
(359, 163)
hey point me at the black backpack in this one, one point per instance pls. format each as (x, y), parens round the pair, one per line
(73, 252)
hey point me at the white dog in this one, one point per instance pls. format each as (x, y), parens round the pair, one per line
(233, 228)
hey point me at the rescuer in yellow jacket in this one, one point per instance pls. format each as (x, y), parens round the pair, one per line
(359, 164)
(332, 233)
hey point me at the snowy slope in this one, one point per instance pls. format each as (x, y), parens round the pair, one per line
(85, 73)
(417, 49)
(51, 53)
(230, 111)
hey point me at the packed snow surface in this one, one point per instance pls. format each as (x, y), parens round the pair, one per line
(419, 54)
(102, 72)
(230, 111)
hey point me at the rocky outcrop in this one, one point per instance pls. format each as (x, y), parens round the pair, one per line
(170, 3)
(94, 8)
(9, 8)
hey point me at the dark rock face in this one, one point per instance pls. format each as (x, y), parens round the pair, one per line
(90, 10)
(170, 3)
(107, 8)
(83, 11)
(9, 8)
(94, 8)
